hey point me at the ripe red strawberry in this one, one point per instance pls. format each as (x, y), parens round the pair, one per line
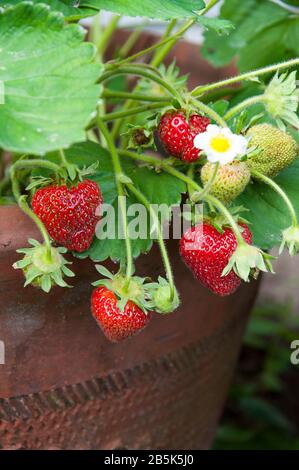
(69, 214)
(177, 134)
(206, 252)
(117, 325)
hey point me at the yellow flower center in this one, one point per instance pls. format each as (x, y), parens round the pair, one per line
(220, 143)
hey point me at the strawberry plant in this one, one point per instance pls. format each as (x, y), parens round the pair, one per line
(80, 156)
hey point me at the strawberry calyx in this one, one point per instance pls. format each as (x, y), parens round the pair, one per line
(248, 260)
(69, 175)
(133, 290)
(163, 299)
(219, 221)
(42, 267)
(290, 239)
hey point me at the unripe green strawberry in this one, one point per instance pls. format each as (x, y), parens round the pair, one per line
(276, 149)
(230, 181)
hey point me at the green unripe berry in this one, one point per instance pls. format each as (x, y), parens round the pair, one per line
(276, 149)
(230, 181)
(163, 302)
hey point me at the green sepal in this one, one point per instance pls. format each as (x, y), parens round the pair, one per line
(290, 239)
(43, 268)
(219, 221)
(246, 260)
(160, 298)
(117, 283)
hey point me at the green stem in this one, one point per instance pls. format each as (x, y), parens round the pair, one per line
(23, 164)
(160, 239)
(162, 53)
(22, 202)
(190, 183)
(215, 95)
(148, 50)
(129, 44)
(121, 193)
(221, 207)
(141, 73)
(280, 192)
(133, 111)
(107, 34)
(64, 161)
(245, 76)
(209, 112)
(245, 104)
(209, 184)
(190, 174)
(122, 95)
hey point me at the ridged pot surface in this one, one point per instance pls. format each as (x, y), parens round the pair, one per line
(64, 386)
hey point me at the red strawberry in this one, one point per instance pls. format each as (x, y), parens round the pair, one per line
(117, 325)
(206, 252)
(177, 134)
(174, 132)
(69, 214)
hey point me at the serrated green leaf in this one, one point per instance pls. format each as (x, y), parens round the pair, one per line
(251, 19)
(267, 212)
(165, 10)
(273, 50)
(69, 8)
(49, 80)
(219, 25)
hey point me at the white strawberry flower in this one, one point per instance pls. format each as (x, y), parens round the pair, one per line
(220, 144)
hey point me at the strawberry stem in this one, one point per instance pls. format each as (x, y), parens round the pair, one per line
(208, 186)
(245, 104)
(245, 76)
(132, 112)
(190, 183)
(23, 164)
(140, 71)
(163, 52)
(122, 95)
(133, 57)
(121, 193)
(107, 34)
(280, 192)
(22, 202)
(204, 108)
(160, 239)
(63, 158)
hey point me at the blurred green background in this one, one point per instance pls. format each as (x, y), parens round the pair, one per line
(262, 411)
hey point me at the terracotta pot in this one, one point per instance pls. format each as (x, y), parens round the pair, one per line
(64, 386)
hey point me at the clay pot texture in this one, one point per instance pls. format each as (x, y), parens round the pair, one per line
(64, 386)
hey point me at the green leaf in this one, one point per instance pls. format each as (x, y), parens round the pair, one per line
(85, 154)
(165, 10)
(67, 7)
(264, 412)
(252, 19)
(267, 212)
(159, 188)
(218, 49)
(49, 80)
(219, 25)
(273, 50)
